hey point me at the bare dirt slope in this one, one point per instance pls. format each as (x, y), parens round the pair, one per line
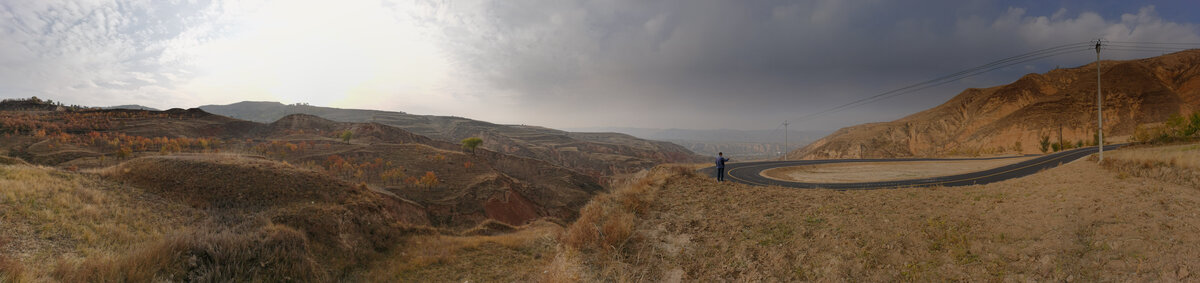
(996, 119)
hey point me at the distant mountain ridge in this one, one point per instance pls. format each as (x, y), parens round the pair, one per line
(131, 107)
(596, 154)
(740, 144)
(1013, 118)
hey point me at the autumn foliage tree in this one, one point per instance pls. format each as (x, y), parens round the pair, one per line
(430, 179)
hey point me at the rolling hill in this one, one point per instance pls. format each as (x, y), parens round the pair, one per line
(596, 154)
(1014, 118)
(455, 189)
(186, 195)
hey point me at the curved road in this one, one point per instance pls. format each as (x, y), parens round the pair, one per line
(749, 172)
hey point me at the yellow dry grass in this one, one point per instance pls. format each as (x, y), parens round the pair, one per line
(52, 220)
(1077, 222)
(1180, 155)
(883, 171)
(1179, 164)
(523, 255)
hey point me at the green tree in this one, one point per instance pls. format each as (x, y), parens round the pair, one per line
(1044, 144)
(471, 143)
(346, 136)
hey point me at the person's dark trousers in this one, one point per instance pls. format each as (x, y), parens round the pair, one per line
(720, 174)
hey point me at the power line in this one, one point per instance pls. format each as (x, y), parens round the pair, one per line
(1155, 43)
(1030, 56)
(1006, 62)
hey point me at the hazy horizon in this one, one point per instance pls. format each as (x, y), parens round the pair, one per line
(698, 65)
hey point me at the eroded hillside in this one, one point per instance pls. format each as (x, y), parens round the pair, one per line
(453, 188)
(595, 154)
(1014, 118)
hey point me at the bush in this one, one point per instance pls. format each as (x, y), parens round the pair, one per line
(1044, 144)
(1176, 128)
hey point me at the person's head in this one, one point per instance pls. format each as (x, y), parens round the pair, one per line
(721, 154)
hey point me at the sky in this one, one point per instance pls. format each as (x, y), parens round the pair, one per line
(690, 64)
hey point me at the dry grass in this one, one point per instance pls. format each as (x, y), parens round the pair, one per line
(5, 160)
(52, 218)
(275, 253)
(1179, 164)
(883, 171)
(518, 256)
(592, 248)
(195, 218)
(1077, 222)
(1179, 155)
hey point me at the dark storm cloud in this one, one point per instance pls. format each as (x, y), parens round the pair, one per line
(752, 64)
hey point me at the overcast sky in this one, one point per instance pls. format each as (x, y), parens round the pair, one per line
(563, 63)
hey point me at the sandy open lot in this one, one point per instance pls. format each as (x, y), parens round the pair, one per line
(883, 171)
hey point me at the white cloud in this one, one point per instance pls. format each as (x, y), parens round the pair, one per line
(558, 63)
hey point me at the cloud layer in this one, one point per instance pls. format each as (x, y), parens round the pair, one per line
(672, 63)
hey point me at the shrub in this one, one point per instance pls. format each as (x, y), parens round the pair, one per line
(429, 179)
(1176, 128)
(1044, 144)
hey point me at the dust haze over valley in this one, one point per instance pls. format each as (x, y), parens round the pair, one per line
(573, 141)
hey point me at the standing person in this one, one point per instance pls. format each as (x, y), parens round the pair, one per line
(721, 166)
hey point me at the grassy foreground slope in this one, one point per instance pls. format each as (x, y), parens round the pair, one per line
(1078, 222)
(233, 219)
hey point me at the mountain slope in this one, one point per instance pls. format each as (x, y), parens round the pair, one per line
(595, 154)
(456, 189)
(1013, 118)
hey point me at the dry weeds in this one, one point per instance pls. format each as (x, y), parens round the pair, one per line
(51, 218)
(523, 255)
(197, 218)
(1077, 222)
(1179, 164)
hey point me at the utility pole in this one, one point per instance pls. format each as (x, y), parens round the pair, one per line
(785, 141)
(1099, 106)
(1061, 146)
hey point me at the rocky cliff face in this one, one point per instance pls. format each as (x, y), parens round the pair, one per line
(1013, 118)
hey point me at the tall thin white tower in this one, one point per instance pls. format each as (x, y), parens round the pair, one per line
(785, 141)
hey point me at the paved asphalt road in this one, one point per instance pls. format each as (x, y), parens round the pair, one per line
(748, 172)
